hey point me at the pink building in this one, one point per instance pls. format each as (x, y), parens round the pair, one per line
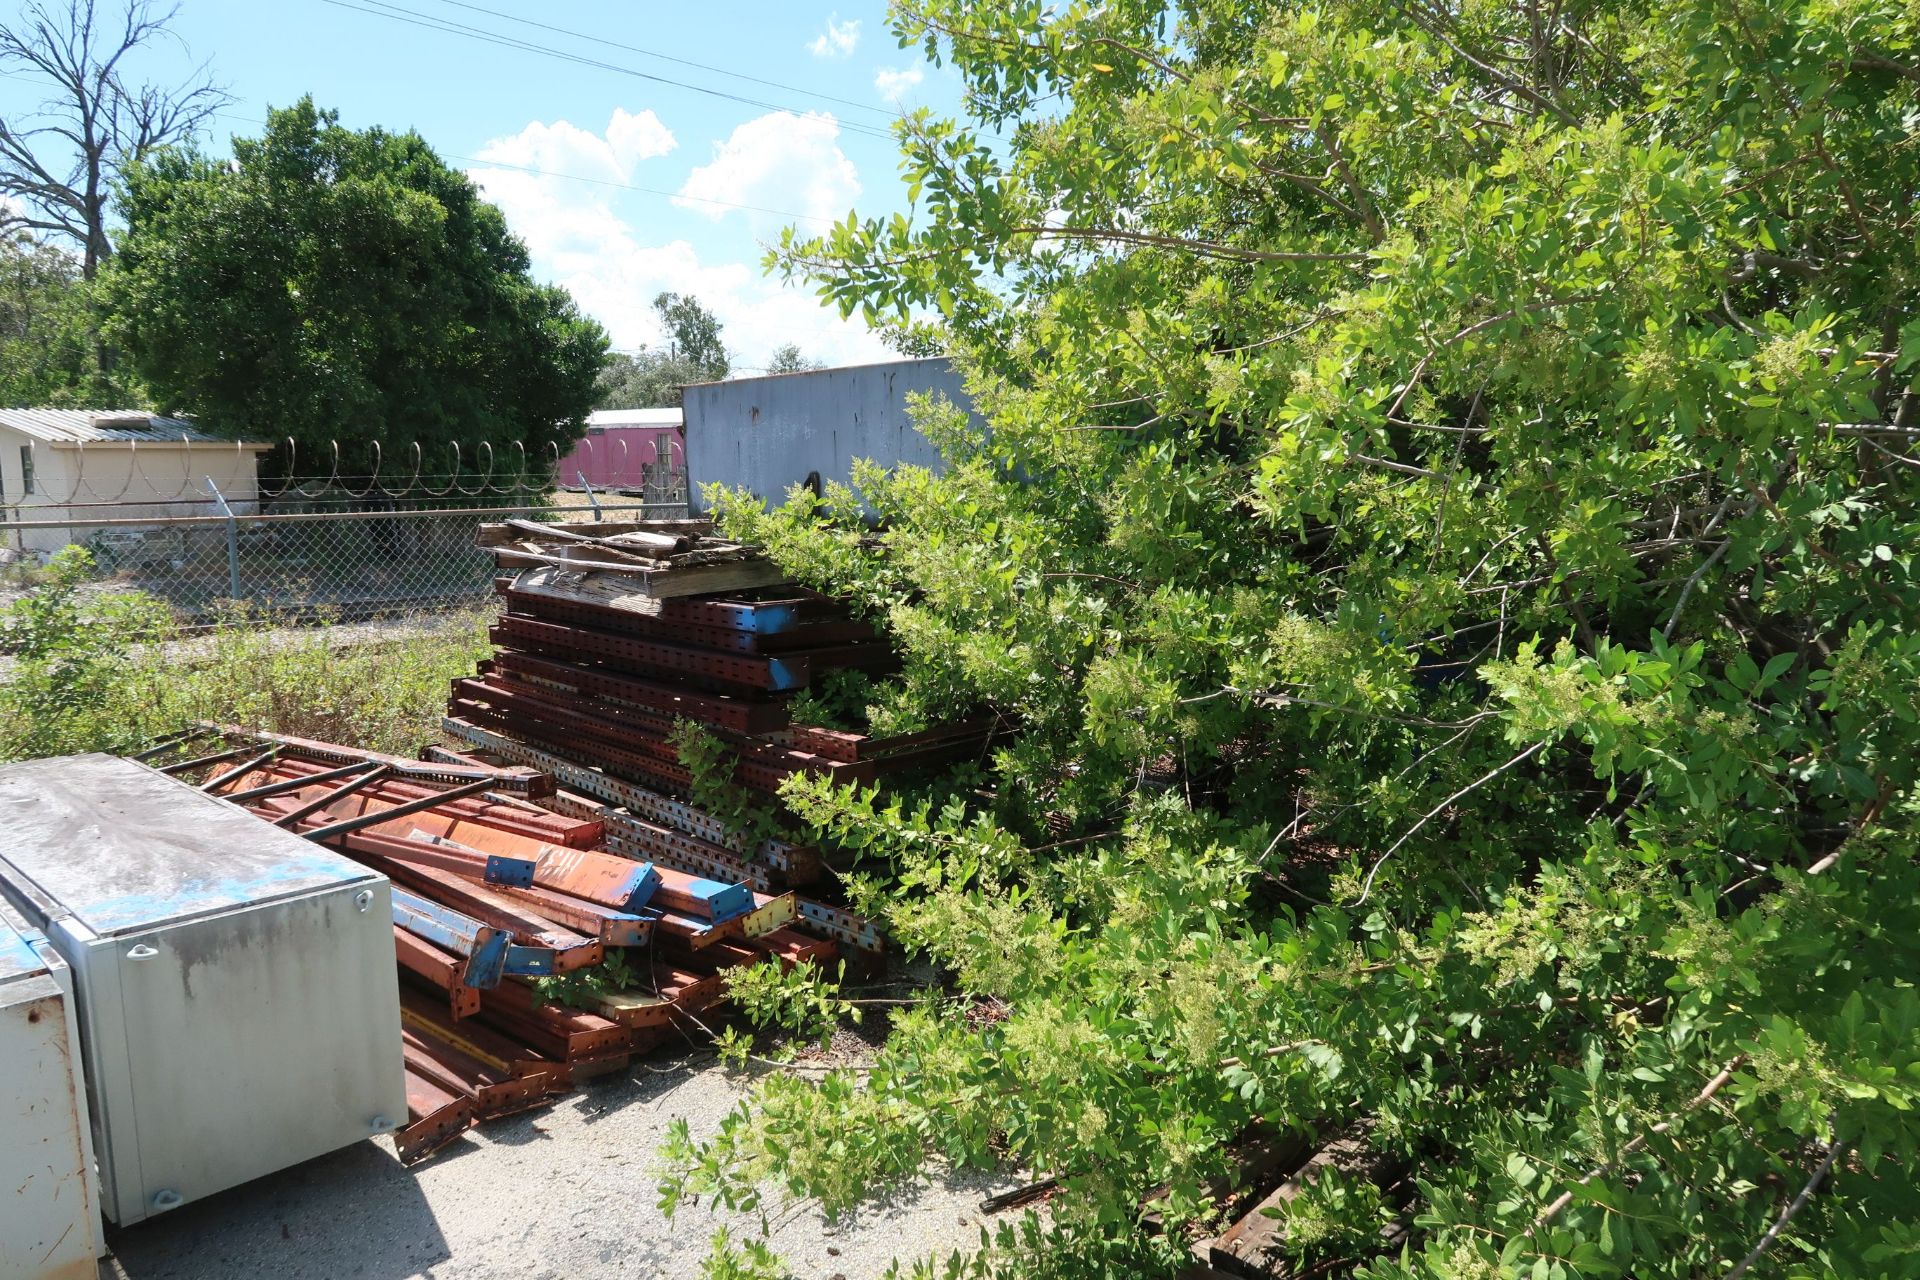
(627, 449)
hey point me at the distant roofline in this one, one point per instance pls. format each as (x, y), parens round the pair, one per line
(120, 420)
(801, 373)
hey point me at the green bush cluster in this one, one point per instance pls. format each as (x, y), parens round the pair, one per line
(84, 667)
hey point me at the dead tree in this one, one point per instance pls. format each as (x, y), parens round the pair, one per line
(57, 165)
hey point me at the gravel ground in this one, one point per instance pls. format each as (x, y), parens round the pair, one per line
(567, 1191)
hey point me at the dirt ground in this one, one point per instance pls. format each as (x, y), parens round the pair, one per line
(568, 1191)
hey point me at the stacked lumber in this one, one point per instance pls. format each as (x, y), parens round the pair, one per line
(530, 956)
(656, 558)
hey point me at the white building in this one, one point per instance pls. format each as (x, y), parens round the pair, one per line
(78, 467)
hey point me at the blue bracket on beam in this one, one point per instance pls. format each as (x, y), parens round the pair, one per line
(644, 881)
(484, 946)
(725, 901)
(514, 872)
(488, 963)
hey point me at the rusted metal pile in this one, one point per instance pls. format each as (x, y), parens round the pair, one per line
(597, 664)
(533, 953)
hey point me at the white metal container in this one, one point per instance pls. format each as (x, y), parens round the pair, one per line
(49, 1215)
(239, 1008)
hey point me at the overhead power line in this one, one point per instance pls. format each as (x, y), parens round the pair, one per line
(414, 17)
(668, 57)
(598, 182)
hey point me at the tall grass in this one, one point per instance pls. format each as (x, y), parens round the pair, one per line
(91, 671)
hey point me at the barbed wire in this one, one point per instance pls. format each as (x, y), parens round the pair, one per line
(99, 474)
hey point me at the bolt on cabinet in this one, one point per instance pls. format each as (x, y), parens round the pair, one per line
(239, 1007)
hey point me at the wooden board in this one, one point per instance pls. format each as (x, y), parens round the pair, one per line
(639, 590)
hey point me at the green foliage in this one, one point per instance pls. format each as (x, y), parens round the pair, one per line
(748, 821)
(49, 352)
(89, 668)
(750, 1260)
(72, 650)
(693, 335)
(653, 376)
(788, 358)
(1443, 555)
(837, 700)
(332, 285)
(586, 988)
(799, 1001)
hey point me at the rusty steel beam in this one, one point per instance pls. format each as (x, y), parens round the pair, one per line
(442, 970)
(371, 819)
(520, 781)
(240, 770)
(372, 773)
(492, 1092)
(748, 671)
(435, 1116)
(284, 785)
(665, 699)
(614, 928)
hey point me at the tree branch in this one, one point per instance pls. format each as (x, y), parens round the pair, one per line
(1367, 888)
(1835, 1150)
(1205, 248)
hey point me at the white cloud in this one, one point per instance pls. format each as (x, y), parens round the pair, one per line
(579, 242)
(895, 83)
(777, 161)
(838, 40)
(562, 147)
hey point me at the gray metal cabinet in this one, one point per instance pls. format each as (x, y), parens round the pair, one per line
(239, 1007)
(49, 1214)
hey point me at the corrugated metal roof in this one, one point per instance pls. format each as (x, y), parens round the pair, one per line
(94, 426)
(634, 418)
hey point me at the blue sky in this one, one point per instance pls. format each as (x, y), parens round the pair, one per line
(807, 151)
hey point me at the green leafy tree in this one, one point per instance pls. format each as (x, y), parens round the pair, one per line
(646, 379)
(788, 358)
(693, 335)
(653, 376)
(1443, 567)
(48, 355)
(332, 286)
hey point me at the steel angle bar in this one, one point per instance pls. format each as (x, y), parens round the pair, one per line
(374, 819)
(435, 1116)
(524, 782)
(601, 878)
(368, 773)
(613, 927)
(440, 969)
(769, 913)
(438, 851)
(285, 785)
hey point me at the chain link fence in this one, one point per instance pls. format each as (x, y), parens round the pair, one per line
(283, 560)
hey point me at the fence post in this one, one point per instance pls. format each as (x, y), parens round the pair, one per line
(591, 498)
(233, 541)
